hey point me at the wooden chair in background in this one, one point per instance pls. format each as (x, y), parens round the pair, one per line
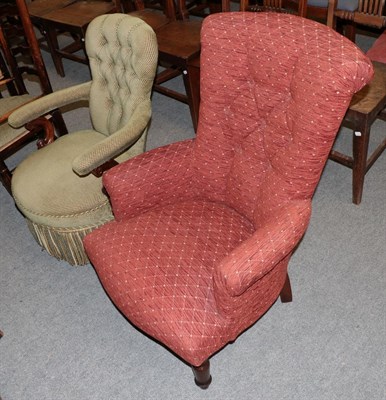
(368, 13)
(13, 73)
(37, 9)
(178, 39)
(280, 6)
(201, 8)
(367, 105)
(71, 18)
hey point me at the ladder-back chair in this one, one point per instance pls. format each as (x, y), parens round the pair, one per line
(369, 104)
(12, 78)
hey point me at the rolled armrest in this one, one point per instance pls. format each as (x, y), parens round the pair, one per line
(115, 144)
(269, 245)
(44, 105)
(154, 178)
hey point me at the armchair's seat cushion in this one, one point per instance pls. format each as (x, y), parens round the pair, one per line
(59, 204)
(163, 282)
(48, 192)
(60, 207)
(7, 104)
(8, 135)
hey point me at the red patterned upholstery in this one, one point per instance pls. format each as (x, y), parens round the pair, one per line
(204, 228)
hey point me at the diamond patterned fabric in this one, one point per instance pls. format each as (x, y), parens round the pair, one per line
(169, 289)
(204, 229)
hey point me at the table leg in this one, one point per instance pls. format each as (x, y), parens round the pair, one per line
(53, 45)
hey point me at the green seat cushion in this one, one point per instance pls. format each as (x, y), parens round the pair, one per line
(49, 192)
(10, 103)
(8, 134)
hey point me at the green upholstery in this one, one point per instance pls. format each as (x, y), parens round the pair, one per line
(7, 104)
(54, 188)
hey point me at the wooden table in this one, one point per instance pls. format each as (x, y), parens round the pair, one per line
(179, 46)
(74, 19)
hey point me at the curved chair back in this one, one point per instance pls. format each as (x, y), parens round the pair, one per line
(271, 102)
(122, 69)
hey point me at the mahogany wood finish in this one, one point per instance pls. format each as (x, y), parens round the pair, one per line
(367, 105)
(152, 17)
(202, 376)
(5, 76)
(14, 72)
(48, 129)
(34, 46)
(178, 47)
(199, 8)
(369, 13)
(166, 7)
(286, 292)
(38, 8)
(11, 30)
(98, 172)
(71, 17)
(281, 6)
(193, 87)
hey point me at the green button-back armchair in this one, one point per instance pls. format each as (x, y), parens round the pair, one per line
(58, 188)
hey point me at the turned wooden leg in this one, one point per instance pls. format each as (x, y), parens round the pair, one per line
(202, 376)
(286, 292)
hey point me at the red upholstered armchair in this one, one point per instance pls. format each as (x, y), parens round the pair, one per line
(204, 228)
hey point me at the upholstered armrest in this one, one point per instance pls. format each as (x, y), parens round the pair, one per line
(45, 104)
(151, 179)
(269, 245)
(115, 144)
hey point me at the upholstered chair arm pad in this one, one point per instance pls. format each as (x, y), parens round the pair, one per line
(155, 178)
(259, 254)
(45, 104)
(116, 143)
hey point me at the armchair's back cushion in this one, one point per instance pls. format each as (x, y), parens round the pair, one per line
(275, 88)
(121, 50)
